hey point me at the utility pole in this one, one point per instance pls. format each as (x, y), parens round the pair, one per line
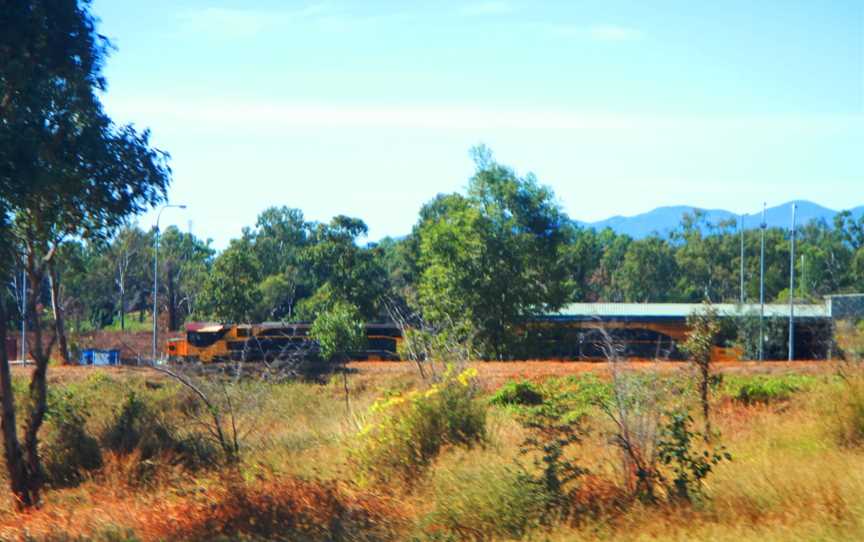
(741, 230)
(792, 288)
(762, 226)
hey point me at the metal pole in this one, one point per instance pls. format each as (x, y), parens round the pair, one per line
(763, 226)
(156, 276)
(792, 288)
(156, 282)
(23, 314)
(741, 229)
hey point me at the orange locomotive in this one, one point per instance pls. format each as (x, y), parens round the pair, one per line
(208, 342)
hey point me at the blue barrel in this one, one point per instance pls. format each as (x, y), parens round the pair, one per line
(92, 356)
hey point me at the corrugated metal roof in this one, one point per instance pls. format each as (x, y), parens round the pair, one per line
(682, 310)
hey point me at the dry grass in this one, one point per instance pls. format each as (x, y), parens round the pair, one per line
(790, 479)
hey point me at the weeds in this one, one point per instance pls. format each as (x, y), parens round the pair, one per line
(517, 393)
(410, 430)
(767, 390)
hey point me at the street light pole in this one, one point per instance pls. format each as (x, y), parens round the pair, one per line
(762, 226)
(156, 276)
(792, 288)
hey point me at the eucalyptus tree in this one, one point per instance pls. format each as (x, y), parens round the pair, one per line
(67, 171)
(494, 256)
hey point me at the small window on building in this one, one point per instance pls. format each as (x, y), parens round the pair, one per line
(242, 331)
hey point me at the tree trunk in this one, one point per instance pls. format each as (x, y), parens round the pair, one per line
(41, 353)
(704, 384)
(59, 321)
(16, 467)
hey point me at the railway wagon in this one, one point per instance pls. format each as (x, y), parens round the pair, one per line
(211, 342)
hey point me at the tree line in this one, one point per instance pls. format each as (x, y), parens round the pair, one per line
(480, 262)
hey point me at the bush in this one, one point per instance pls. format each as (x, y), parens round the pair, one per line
(517, 393)
(136, 428)
(552, 431)
(690, 466)
(766, 390)
(71, 450)
(411, 429)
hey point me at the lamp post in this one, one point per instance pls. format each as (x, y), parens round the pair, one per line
(792, 288)
(156, 276)
(763, 226)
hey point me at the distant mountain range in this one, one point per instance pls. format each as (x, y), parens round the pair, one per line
(662, 220)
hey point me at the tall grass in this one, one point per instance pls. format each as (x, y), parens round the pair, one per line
(797, 471)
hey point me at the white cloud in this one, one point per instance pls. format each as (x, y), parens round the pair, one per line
(610, 32)
(487, 8)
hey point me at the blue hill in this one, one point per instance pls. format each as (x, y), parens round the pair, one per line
(663, 220)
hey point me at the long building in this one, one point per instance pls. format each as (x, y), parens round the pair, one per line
(655, 330)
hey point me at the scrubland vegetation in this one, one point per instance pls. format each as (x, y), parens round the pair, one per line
(128, 457)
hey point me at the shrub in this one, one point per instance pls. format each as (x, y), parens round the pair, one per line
(71, 450)
(136, 428)
(552, 430)
(689, 466)
(411, 429)
(766, 390)
(517, 393)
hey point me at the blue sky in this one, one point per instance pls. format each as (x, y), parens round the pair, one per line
(369, 108)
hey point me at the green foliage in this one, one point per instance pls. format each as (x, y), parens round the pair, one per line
(580, 393)
(776, 332)
(72, 450)
(492, 257)
(231, 290)
(704, 327)
(690, 466)
(648, 271)
(552, 432)
(349, 273)
(522, 392)
(339, 331)
(766, 390)
(184, 266)
(407, 431)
